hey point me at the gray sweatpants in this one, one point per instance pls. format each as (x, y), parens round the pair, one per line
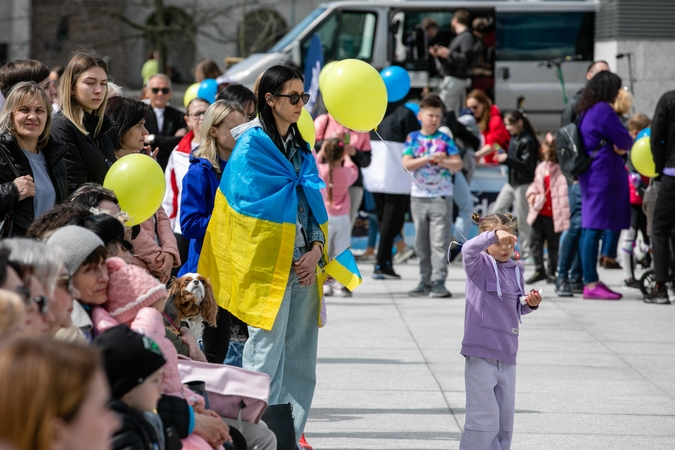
(432, 235)
(516, 196)
(490, 404)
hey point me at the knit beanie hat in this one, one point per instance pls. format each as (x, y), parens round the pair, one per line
(76, 243)
(128, 358)
(130, 288)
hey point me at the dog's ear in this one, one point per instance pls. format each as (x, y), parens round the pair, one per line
(209, 305)
(176, 285)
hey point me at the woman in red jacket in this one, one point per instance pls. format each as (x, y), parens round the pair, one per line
(490, 121)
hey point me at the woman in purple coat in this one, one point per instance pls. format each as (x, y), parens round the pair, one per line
(605, 202)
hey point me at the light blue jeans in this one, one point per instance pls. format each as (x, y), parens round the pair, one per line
(461, 195)
(287, 353)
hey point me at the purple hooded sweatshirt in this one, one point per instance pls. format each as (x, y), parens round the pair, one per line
(493, 308)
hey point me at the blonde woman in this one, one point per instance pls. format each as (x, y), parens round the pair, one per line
(199, 192)
(32, 171)
(81, 122)
(58, 398)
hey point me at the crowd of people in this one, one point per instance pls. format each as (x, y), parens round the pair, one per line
(83, 295)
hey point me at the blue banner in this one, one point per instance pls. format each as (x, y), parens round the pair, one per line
(313, 65)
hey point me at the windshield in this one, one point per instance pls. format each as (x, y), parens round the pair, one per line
(295, 32)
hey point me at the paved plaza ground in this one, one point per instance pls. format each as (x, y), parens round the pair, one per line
(591, 374)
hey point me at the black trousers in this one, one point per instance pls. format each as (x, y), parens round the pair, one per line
(391, 209)
(216, 340)
(663, 227)
(543, 230)
(183, 250)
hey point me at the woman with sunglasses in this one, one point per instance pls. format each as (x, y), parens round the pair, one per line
(282, 310)
(177, 167)
(32, 171)
(81, 122)
(48, 268)
(20, 277)
(489, 119)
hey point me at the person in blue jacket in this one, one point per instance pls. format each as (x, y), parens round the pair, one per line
(199, 191)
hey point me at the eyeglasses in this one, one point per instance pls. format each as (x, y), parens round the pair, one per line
(67, 283)
(295, 98)
(42, 304)
(197, 115)
(157, 90)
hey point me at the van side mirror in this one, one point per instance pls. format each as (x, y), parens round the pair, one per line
(296, 55)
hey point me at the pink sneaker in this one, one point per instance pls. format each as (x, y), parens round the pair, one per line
(600, 292)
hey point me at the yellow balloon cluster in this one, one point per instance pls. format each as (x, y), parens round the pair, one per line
(139, 185)
(355, 94)
(190, 94)
(324, 71)
(641, 157)
(306, 127)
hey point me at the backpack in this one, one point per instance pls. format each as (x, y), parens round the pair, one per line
(572, 156)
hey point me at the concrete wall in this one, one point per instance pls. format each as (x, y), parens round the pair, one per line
(15, 23)
(653, 68)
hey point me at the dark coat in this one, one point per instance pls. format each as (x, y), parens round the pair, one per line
(136, 433)
(522, 160)
(663, 132)
(23, 215)
(165, 138)
(87, 158)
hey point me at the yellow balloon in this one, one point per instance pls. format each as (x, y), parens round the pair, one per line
(190, 94)
(306, 127)
(323, 73)
(355, 95)
(139, 185)
(641, 157)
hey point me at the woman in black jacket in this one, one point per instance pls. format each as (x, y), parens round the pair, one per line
(521, 159)
(32, 171)
(81, 122)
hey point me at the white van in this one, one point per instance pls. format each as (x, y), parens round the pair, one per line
(519, 35)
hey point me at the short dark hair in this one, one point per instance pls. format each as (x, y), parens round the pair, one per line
(108, 228)
(431, 101)
(57, 217)
(90, 195)
(99, 255)
(463, 16)
(21, 70)
(239, 94)
(126, 113)
(594, 63)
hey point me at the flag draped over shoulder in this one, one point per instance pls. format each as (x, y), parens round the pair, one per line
(249, 244)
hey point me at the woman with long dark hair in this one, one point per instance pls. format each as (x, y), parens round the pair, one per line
(605, 198)
(269, 228)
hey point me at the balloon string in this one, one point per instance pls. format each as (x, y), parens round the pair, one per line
(426, 191)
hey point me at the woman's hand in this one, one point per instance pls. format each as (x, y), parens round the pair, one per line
(502, 157)
(187, 336)
(167, 264)
(147, 149)
(25, 186)
(531, 198)
(213, 430)
(305, 267)
(506, 239)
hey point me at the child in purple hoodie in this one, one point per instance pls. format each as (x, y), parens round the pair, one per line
(494, 286)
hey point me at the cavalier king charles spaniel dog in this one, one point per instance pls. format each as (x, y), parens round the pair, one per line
(191, 300)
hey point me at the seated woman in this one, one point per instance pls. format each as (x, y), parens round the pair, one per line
(32, 171)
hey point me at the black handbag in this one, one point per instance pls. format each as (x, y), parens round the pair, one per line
(7, 222)
(279, 419)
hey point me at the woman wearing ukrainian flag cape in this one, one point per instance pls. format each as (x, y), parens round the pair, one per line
(265, 242)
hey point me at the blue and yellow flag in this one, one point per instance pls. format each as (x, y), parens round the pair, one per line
(345, 271)
(248, 247)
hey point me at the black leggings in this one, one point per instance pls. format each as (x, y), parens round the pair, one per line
(663, 226)
(216, 340)
(391, 209)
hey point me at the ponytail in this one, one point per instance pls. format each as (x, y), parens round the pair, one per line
(334, 153)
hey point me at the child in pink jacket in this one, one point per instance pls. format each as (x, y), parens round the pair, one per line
(549, 213)
(338, 171)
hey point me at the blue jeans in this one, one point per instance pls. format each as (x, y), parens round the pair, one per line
(569, 260)
(464, 226)
(287, 352)
(610, 242)
(590, 244)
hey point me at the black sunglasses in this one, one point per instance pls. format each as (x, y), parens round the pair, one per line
(295, 98)
(164, 90)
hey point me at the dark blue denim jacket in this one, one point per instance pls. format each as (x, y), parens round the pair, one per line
(310, 227)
